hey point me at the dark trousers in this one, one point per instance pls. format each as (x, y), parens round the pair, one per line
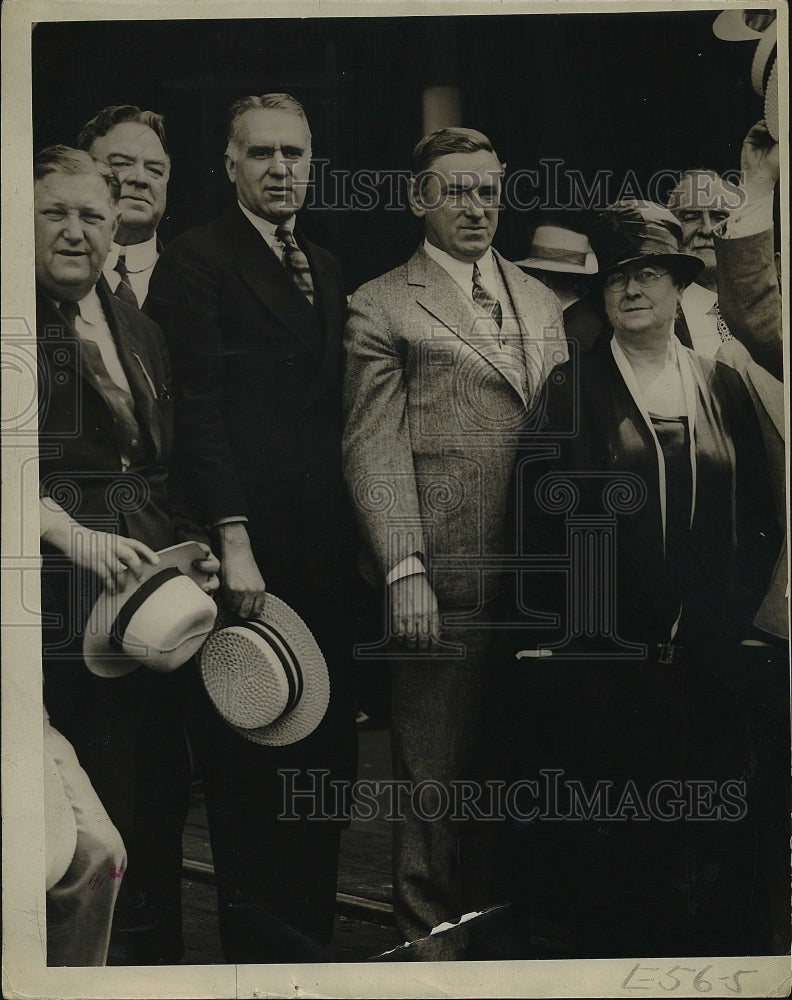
(276, 853)
(269, 870)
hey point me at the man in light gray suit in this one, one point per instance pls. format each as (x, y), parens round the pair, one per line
(445, 358)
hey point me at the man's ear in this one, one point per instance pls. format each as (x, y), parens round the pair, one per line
(116, 220)
(414, 197)
(230, 165)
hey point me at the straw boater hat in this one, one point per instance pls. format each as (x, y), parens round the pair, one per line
(756, 26)
(158, 620)
(631, 231)
(556, 248)
(267, 677)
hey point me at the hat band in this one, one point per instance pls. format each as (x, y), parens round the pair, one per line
(289, 662)
(135, 602)
(552, 253)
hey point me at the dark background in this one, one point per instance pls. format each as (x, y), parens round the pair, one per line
(619, 92)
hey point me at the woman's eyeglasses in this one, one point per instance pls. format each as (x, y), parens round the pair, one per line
(617, 281)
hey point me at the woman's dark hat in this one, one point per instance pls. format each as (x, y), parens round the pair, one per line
(631, 231)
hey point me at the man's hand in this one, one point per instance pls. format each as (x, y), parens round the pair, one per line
(415, 618)
(109, 556)
(759, 160)
(242, 585)
(210, 565)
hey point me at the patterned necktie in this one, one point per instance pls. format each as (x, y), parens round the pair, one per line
(124, 290)
(724, 332)
(295, 262)
(483, 298)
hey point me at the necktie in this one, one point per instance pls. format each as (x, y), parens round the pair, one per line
(70, 310)
(295, 262)
(119, 400)
(723, 331)
(482, 297)
(124, 290)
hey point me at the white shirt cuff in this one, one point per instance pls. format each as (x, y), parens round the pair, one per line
(231, 519)
(409, 566)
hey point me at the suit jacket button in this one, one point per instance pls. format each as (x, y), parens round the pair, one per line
(291, 359)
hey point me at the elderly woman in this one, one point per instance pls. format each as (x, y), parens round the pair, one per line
(649, 538)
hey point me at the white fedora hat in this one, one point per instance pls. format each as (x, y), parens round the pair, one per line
(756, 25)
(730, 26)
(764, 77)
(741, 24)
(555, 248)
(266, 677)
(158, 621)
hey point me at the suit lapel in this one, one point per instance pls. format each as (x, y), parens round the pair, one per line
(133, 353)
(327, 296)
(543, 348)
(266, 277)
(440, 295)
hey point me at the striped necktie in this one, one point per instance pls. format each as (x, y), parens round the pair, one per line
(124, 290)
(483, 298)
(295, 262)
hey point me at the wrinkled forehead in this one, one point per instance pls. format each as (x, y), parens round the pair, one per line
(466, 171)
(702, 191)
(272, 127)
(131, 139)
(73, 191)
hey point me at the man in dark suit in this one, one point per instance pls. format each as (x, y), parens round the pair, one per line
(104, 450)
(133, 143)
(253, 313)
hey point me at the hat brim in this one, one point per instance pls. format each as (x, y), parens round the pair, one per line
(100, 658)
(686, 266)
(730, 26)
(309, 711)
(771, 103)
(542, 264)
(765, 52)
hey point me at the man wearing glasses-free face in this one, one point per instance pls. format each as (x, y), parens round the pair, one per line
(253, 314)
(133, 143)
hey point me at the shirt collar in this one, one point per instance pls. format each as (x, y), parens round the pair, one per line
(462, 271)
(138, 256)
(698, 299)
(264, 226)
